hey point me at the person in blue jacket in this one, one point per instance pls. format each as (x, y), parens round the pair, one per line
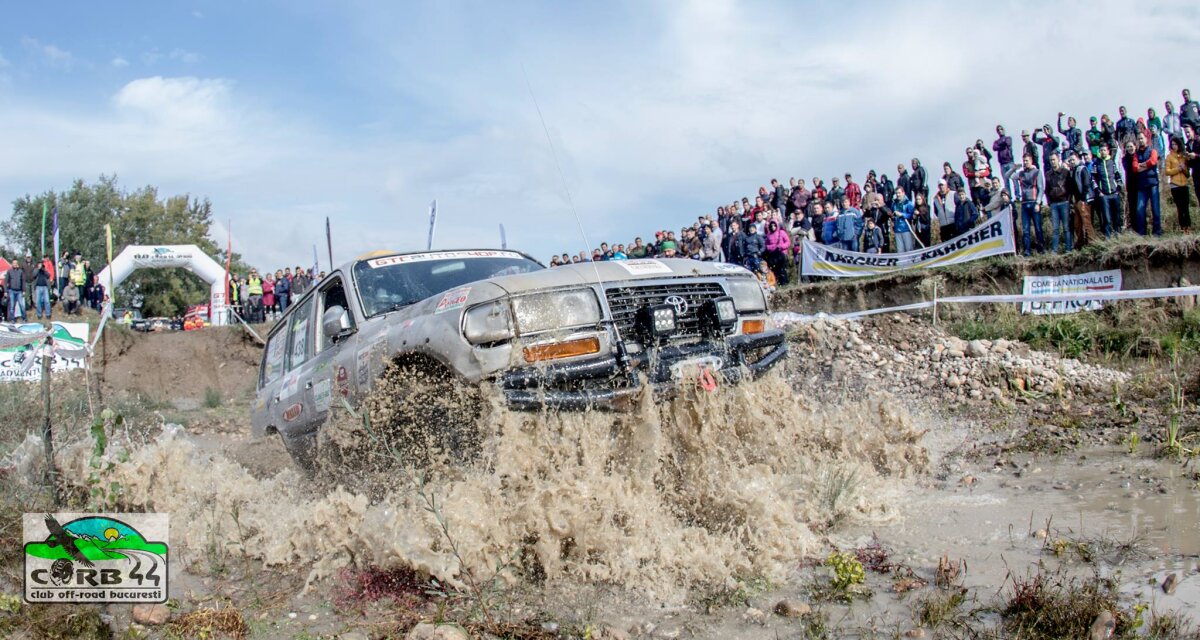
(902, 215)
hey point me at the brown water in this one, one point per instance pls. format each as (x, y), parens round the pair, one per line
(673, 496)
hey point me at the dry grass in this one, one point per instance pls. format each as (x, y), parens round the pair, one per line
(207, 622)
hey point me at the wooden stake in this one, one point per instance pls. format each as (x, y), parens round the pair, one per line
(47, 429)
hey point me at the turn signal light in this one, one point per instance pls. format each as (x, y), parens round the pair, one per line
(557, 350)
(750, 327)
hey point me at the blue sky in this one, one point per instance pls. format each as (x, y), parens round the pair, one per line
(286, 112)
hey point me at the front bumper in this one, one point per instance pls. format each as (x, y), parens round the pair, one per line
(604, 383)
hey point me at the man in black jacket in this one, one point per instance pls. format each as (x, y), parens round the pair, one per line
(1107, 178)
(918, 181)
(1081, 190)
(41, 290)
(734, 244)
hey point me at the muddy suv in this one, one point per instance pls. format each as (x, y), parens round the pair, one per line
(572, 337)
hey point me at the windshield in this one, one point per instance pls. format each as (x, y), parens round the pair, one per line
(392, 282)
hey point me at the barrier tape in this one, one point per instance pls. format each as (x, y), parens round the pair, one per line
(1131, 294)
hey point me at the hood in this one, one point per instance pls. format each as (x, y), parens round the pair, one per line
(584, 274)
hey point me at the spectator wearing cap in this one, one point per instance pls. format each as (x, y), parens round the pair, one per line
(854, 192)
(836, 192)
(1003, 146)
(943, 211)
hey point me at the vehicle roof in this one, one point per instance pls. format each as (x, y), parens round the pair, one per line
(371, 255)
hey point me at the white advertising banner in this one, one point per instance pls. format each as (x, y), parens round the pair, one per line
(1096, 281)
(23, 362)
(992, 238)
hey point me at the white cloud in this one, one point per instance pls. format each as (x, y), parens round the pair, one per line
(48, 53)
(698, 105)
(119, 62)
(184, 56)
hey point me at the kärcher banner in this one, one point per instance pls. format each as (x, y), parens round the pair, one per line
(992, 238)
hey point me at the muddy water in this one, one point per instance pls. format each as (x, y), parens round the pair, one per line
(674, 496)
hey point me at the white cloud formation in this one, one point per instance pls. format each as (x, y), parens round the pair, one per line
(48, 53)
(119, 62)
(184, 56)
(655, 121)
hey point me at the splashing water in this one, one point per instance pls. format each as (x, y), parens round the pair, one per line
(672, 495)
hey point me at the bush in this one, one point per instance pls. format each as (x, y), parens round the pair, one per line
(212, 398)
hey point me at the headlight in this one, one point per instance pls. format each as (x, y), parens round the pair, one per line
(486, 323)
(556, 310)
(747, 295)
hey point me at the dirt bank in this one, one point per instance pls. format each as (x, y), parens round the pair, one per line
(178, 367)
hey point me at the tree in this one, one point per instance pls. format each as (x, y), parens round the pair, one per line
(138, 217)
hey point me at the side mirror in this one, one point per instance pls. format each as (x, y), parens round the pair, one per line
(335, 323)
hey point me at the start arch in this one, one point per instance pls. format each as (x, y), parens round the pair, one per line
(182, 256)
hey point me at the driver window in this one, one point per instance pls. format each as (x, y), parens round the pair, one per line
(333, 294)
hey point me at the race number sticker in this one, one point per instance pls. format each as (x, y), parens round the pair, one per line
(453, 299)
(646, 267)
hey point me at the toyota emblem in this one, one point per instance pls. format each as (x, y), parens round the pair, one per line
(680, 305)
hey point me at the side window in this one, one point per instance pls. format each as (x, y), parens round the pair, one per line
(273, 359)
(299, 325)
(332, 294)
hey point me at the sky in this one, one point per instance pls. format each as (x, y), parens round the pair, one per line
(284, 113)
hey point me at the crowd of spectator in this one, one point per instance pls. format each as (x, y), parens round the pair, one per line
(1105, 178)
(37, 286)
(258, 297)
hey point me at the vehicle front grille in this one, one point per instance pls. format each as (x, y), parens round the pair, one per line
(624, 303)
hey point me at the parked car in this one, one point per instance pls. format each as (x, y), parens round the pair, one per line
(571, 337)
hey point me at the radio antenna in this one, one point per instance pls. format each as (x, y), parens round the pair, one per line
(561, 176)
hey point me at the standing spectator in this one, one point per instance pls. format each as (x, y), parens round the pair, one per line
(1189, 111)
(1095, 138)
(710, 243)
(638, 250)
(735, 244)
(1178, 174)
(1155, 127)
(1028, 148)
(918, 181)
(1081, 192)
(829, 235)
(1107, 179)
(922, 222)
(1192, 153)
(943, 210)
(1003, 146)
(966, 215)
(1145, 177)
(1049, 144)
(754, 246)
(691, 246)
(1072, 133)
(876, 209)
(818, 190)
(283, 289)
(849, 225)
(14, 286)
(887, 190)
(853, 192)
(798, 199)
(97, 294)
(953, 180)
(778, 196)
(1058, 178)
(902, 179)
(1126, 126)
(902, 216)
(1109, 132)
(268, 295)
(977, 172)
(1172, 125)
(41, 290)
(836, 193)
(776, 247)
(873, 237)
(254, 296)
(1031, 184)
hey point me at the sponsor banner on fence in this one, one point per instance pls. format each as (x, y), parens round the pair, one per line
(24, 362)
(1076, 283)
(992, 238)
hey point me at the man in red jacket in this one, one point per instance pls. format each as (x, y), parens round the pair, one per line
(853, 192)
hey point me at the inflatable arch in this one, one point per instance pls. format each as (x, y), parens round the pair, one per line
(183, 256)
